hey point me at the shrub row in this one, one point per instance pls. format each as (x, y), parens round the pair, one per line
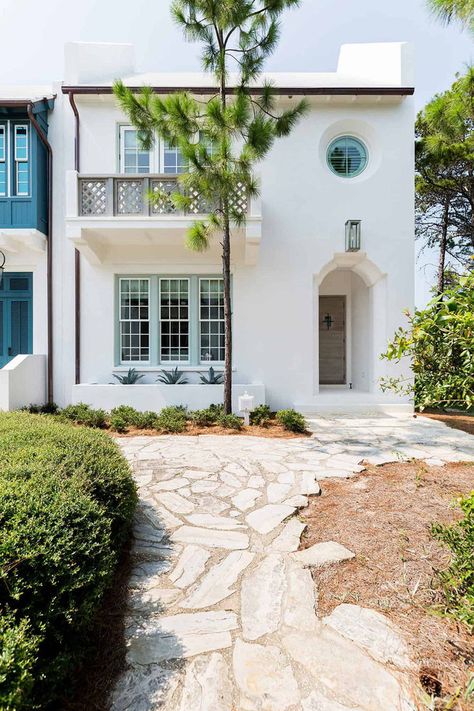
(67, 499)
(175, 419)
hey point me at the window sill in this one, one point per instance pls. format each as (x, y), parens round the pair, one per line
(218, 367)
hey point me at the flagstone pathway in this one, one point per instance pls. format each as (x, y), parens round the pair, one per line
(223, 612)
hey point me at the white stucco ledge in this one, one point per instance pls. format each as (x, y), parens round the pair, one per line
(23, 382)
(155, 397)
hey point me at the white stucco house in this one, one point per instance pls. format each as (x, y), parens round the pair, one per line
(321, 272)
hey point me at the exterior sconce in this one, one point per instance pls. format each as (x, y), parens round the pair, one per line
(2, 264)
(246, 405)
(353, 231)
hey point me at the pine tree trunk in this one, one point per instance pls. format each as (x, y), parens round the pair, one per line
(227, 320)
(442, 248)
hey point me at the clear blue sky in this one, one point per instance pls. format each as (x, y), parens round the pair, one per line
(33, 34)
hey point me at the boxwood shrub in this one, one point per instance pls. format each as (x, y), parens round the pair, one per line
(67, 500)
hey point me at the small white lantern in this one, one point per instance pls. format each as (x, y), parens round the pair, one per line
(246, 405)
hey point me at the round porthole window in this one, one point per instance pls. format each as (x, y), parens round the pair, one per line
(347, 156)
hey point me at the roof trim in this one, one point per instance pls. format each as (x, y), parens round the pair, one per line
(286, 91)
(36, 104)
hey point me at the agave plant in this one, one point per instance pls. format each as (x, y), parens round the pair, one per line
(130, 378)
(172, 377)
(212, 377)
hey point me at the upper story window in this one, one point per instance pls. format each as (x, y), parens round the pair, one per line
(347, 156)
(162, 158)
(22, 165)
(15, 164)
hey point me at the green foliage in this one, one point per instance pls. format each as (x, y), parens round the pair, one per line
(445, 174)
(230, 422)
(83, 414)
(49, 408)
(67, 500)
(119, 423)
(291, 420)
(131, 377)
(172, 420)
(261, 415)
(146, 420)
(130, 416)
(439, 342)
(454, 10)
(204, 418)
(212, 377)
(457, 582)
(172, 377)
(18, 653)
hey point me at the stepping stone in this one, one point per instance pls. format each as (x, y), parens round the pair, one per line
(144, 688)
(175, 502)
(230, 480)
(207, 686)
(204, 486)
(299, 600)
(209, 521)
(190, 566)
(181, 636)
(308, 484)
(217, 584)
(246, 499)
(171, 484)
(230, 540)
(277, 492)
(373, 631)
(273, 467)
(153, 600)
(225, 490)
(286, 478)
(261, 597)
(351, 676)
(195, 474)
(323, 554)
(206, 503)
(165, 518)
(256, 481)
(147, 574)
(268, 517)
(299, 501)
(289, 539)
(264, 677)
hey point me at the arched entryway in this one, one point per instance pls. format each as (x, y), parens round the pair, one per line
(350, 323)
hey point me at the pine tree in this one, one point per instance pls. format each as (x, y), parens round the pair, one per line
(225, 137)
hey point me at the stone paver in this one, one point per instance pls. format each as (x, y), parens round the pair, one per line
(223, 608)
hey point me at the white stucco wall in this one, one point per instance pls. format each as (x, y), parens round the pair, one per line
(305, 207)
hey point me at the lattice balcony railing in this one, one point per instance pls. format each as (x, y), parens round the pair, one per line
(127, 195)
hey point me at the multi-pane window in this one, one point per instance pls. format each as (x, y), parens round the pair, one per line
(3, 161)
(134, 320)
(22, 165)
(166, 320)
(134, 158)
(211, 317)
(173, 160)
(174, 320)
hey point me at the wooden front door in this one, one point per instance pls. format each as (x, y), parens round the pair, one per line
(332, 340)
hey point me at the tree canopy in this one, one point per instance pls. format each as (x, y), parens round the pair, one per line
(454, 10)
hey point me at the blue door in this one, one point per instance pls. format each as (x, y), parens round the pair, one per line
(16, 315)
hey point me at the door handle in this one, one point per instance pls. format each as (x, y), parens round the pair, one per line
(10, 350)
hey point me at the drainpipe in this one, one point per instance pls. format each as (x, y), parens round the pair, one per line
(49, 268)
(77, 254)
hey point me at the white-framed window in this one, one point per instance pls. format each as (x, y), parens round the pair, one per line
(168, 320)
(134, 158)
(3, 160)
(174, 320)
(21, 158)
(173, 161)
(134, 320)
(211, 320)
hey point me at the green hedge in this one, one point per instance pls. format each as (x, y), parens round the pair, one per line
(67, 499)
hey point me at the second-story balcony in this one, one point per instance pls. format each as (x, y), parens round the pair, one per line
(109, 214)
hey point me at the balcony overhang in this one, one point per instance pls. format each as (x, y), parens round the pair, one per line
(109, 220)
(16, 240)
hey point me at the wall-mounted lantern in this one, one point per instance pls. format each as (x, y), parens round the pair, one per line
(353, 230)
(2, 264)
(246, 405)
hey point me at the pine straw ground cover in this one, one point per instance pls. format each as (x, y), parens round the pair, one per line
(384, 516)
